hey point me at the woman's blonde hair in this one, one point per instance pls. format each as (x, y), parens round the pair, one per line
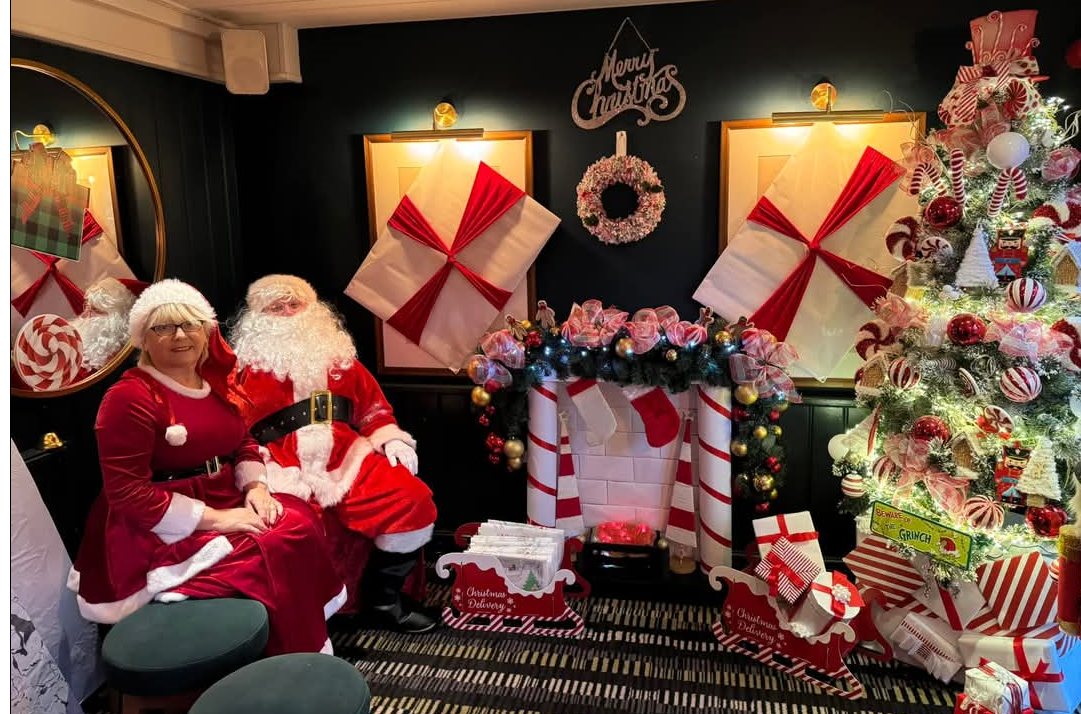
(176, 313)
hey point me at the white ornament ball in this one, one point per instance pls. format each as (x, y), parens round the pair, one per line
(1020, 384)
(1007, 150)
(1025, 295)
(837, 447)
(852, 486)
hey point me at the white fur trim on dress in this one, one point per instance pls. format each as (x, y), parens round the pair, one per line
(180, 519)
(249, 472)
(164, 292)
(166, 380)
(390, 432)
(335, 603)
(405, 542)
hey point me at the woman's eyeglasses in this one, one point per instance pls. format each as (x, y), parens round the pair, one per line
(167, 330)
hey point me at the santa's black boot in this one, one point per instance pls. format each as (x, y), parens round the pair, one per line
(386, 605)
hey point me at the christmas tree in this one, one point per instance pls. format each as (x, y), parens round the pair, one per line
(978, 417)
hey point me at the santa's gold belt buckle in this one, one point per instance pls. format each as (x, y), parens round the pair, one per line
(314, 408)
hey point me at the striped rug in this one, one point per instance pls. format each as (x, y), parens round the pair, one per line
(637, 657)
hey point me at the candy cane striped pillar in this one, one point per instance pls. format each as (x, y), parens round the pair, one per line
(542, 463)
(681, 526)
(568, 505)
(715, 475)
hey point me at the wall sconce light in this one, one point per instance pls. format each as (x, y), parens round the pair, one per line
(444, 116)
(42, 133)
(823, 97)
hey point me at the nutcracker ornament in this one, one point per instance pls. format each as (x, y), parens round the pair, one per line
(1009, 256)
(1008, 472)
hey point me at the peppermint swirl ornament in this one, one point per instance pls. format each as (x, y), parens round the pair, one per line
(903, 373)
(875, 337)
(982, 512)
(934, 248)
(852, 486)
(883, 469)
(48, 353)
(1025, 295)
(1020, 384)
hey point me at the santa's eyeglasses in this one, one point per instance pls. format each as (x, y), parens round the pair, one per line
(167, 330)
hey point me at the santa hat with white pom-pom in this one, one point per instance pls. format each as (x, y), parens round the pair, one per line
(219, 367)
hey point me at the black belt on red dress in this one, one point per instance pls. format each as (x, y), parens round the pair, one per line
(209, 468)
(320, 408)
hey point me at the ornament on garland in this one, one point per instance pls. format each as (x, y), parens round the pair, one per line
(995, 420)
(1045, 521)
(545, 316)
(984, 513)
(1025, 295)
(513, 448)
(943, 212)
(883, 469)
(852, 485)
(903, 373)
(671, 355)
(1008, 472)
(934, 248)
(966, 329)
(746, 394)
(1010, 254)
(625, 347)
(739, 448)
(1020, 384)
(901, 238)
(930, 427)
(629, 171)
(480, 397)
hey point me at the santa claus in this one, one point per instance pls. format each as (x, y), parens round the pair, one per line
(329, 436)
(103, 324)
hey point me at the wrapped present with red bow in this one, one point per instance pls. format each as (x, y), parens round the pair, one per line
(47, 203)
(787, 571)
(458, 244)
(929, 643)
(997, 689)
(1019, 591)
(831, 599)
(1049, 661)
(797, 528)
(45, 284)
(809, 262)
(1003, 67)
(958, 604)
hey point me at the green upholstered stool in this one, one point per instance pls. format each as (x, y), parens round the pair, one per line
(289, 684)
(163, 656)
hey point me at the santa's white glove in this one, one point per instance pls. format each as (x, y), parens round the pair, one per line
(399, 452)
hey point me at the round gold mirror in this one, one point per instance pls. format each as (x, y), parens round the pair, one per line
(87, 232)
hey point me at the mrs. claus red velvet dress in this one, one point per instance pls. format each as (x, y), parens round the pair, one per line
(141, 543)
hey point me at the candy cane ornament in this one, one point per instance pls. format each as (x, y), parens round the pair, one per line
(1009, 178)
(957, 174)
(923, 173)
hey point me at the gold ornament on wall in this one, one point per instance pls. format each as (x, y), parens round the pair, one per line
(760, 433)
(513, 448)
(625, 347)
(514, 463)
(480, 397)
(746, 394)
(739, 448)
(671, 355)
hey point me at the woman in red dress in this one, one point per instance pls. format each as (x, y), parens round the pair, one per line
(184, 509)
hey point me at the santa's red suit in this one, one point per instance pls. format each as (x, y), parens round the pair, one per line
(340, 465)
(141, 541)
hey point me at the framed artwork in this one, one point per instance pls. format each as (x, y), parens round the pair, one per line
(391, 164)
(753, 152)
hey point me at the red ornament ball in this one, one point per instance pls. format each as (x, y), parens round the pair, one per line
(492, 386)
(495, 458)
(494, 442)
(943, 212)
(1045, 521)
(533, 340)
(930, 427)
(774, 415)
(761, 507)
(740, 414)
(1073, 55)
(966, 329)
(490, 409)
(482, 420)
(775, 468)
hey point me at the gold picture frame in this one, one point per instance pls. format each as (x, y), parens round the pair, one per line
(390, 165)
(759, 148)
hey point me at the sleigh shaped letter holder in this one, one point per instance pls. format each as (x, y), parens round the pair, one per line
(484, 599)
(752, 624)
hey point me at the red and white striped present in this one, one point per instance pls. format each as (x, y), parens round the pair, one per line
(998, 689)
(1019, 591)
(787, 570)
(797, 528)
(957, 605)
(877, 565)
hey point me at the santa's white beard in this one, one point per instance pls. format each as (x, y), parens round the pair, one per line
(102, 336)
(301, 347)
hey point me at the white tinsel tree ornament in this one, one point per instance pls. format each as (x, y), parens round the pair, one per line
(1039, 481)
(977, 270)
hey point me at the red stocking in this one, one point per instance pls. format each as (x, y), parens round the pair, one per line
(657, 412)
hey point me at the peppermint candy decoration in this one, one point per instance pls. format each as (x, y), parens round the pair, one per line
(48, 353)
(996, 420)
(903, 374)
(934, 248)
(1064, 214)
(852, 486)
(969, 386)
(875, 337)
(1020, 384)
(982, 512)
(1072, 359)
(901, 238)
(883, 469)
(1025, 295)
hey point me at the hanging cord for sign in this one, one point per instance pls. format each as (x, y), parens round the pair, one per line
(914, 131)
(635, 28)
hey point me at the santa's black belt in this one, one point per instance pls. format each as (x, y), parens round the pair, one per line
(209, 468)
(319, 408)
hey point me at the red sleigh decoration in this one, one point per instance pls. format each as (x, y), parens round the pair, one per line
(483, 599)
(752, 625)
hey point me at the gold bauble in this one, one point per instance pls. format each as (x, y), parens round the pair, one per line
(480, 396)
(775, 430)
(763, 482)
(773, 495)
(514, 463)
(746, 394)
(513, 448)
(760, 433)
(526, 324)
(662, 543)
(723, 338)
(782, 407)
(473, 369)
(738, 448)
(553, 331)
(671, 355)
(625, 347)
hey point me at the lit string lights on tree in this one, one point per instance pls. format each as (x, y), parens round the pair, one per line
(980, 335)
(654, 348)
